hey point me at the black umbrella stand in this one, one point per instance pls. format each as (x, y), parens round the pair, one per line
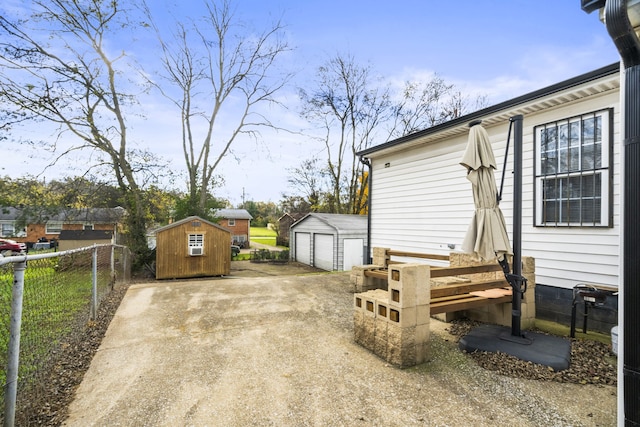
(538, 348)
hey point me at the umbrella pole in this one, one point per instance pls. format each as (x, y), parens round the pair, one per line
(516, 312)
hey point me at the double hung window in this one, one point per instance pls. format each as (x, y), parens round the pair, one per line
(573, 173)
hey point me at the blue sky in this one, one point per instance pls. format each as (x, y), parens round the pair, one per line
(500, 48)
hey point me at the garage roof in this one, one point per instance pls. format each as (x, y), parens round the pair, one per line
(341, 222)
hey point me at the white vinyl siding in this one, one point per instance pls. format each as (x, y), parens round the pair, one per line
(422, 202)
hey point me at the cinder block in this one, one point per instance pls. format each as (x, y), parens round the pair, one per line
(358, 318)
(423, 315)
(380, 257)
(448, 317)
(408, 284)
(381, 328)
(401, 337)
(423, 333)
(368, 339)
(528, 265)
(404, 357)
(382, 310)
(423, 353)
(380, 348)
(403, 317)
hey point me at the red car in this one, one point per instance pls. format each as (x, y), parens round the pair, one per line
(9, 247)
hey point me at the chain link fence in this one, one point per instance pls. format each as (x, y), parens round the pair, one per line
(53, 308)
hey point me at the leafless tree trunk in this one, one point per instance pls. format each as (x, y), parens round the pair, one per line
(214, 63)
(348, 107)
(56, 68)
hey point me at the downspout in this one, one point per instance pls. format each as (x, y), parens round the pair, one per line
(367, 163)
(628, 45)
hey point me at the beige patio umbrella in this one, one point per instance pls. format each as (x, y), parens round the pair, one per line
(486, 236)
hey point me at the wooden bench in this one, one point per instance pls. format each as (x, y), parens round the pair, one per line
(459, 296)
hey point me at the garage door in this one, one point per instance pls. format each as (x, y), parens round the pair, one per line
(323, 251)
(353, 252)
(303, 248)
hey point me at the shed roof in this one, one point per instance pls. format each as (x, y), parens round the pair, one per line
(341, 222)
(293, 215)
(503, 111)
(233, 214)
(189, 219)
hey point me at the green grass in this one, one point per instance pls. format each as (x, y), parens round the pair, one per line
(52, 302)
(263, 235)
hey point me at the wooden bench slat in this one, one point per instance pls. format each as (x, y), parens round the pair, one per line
(465, 303)
(417, 255)
(465, 288)
(378, 274)
(459, 271)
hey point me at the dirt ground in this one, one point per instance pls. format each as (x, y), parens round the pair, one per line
(268, 348)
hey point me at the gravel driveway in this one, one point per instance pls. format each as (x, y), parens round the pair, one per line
(279, 351)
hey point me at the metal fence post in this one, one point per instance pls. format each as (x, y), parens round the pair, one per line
(94, 284)
(13, 351)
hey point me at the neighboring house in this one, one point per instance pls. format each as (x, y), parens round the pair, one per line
(73, 239)
(332, 242)
(29, 226)
(284, 224)
(238, 221)
(421, 201)
(192, 247)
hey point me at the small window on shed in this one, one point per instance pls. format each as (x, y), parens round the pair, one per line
(196, 244)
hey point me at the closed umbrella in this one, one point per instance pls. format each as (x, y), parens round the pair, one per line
(486, 236)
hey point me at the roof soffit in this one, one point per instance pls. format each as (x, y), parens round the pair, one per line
(590, 89)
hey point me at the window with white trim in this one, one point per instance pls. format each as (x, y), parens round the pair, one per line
(8, 230)
(196, 240)
(573, 171)
(231, 222)
(196, 244)
(53, 227)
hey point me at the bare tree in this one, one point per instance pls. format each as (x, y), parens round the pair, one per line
(215, 63)
(56, 68)
(426, 103)
(349, 107)
(308, 180)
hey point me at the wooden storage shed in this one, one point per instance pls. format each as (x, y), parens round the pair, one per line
(192, 247)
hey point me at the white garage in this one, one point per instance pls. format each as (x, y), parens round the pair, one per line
(331, 242)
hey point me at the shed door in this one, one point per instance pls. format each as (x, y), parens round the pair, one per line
(353, 253)
(303, 248)
(323, 251)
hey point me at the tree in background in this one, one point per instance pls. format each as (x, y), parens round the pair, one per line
(263, 213)
(347, 106)
(309, 181)
(56, 68)
(212, 63)
(426, 103)
(352, 109)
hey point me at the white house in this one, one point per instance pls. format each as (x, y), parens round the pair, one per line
(420, 200)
